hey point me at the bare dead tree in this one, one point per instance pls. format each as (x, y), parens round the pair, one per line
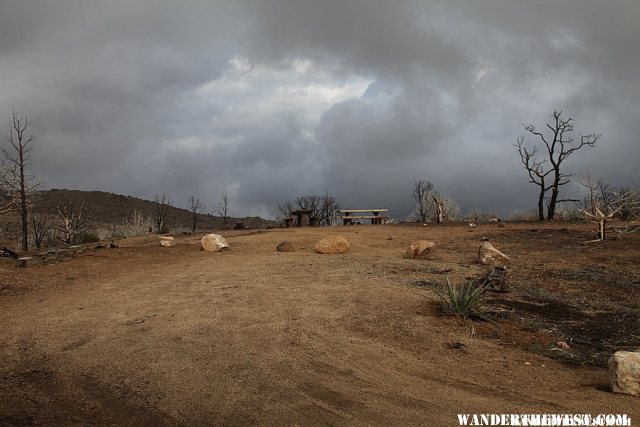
(161, 212)
(602, 214)
(195, 208)
(5, 204)
(19, 185)
(223, 209)
(310, 202)
(546, 171)
(450, 208)
(284, 210)
(42, 226)
(536, 171)
(591, 199)
(439, 209)
(328, 209)
(421, 193)
(72, 221)
(606, 203)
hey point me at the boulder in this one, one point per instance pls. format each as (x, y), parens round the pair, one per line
(624, 367)
(167, 241)
(285, 246)
(421, 249)
(488, 255)
(214, 243)
(332, 245)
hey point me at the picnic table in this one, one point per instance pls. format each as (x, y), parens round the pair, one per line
(351, 215)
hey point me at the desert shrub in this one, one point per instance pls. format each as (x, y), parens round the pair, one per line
(523, 215)
(567, 214)
(108, 232)
(86, 237)
(138, 224)
(477, 216)
(466, 300)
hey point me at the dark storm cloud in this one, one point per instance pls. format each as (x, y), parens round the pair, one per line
(271, 99)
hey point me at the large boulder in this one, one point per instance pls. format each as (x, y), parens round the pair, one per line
(488, 255)
(332, 245)
(624, 367)
(421, 249)
(285, 246)
(214, 243)
(167, 241)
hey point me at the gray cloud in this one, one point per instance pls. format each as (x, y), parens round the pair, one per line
(268, 100)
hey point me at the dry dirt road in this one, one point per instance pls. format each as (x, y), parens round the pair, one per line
(145, 335)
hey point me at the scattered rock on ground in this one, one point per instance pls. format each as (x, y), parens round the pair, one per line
(214, 243)
(624, 367)
(488, 255)
(332, 245)
(167, 241)
(421, 249)
(472, 225)
(286, 246)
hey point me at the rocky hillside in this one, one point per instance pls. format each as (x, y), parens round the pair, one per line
(108, 209)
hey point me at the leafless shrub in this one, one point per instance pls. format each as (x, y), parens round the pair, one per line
(223, 209)
(161, 213)
(478, 216)
(523, 215)
(138, 224)
(284, 211)
(72, 222)
(42, 227)
(195, 208)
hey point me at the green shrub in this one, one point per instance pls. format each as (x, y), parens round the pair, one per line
(466, 300)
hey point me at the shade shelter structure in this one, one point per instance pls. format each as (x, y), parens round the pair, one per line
(301, 217)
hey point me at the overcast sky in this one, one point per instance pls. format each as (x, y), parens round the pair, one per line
(270, 99)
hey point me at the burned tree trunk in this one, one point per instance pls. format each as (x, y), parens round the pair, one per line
(439, 210)
(557, 145)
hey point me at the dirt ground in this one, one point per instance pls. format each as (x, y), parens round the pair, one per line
(145, 335)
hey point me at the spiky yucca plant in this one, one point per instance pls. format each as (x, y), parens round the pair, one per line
(466, 300)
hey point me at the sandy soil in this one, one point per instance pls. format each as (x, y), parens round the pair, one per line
(145, 335)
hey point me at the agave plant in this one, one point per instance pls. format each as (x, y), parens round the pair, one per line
(466, 300)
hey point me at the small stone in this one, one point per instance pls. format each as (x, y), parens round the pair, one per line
(167, 241)
(421, 249)
(285, 246)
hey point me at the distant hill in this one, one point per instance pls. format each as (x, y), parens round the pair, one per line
(104, 209)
